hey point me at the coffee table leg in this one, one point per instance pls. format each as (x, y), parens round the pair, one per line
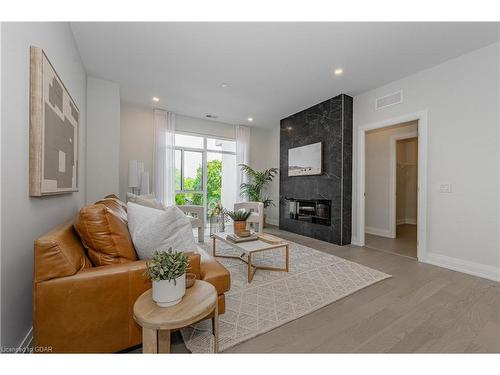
(213, 246)
(164, 341)
(215, 327)
(149, 341)
(286, 258)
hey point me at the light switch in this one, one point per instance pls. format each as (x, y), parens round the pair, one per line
(445, 188)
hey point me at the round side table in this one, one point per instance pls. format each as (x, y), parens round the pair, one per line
(157, 322)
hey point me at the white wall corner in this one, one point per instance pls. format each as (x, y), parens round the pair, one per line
(272, 221)
(379, 232)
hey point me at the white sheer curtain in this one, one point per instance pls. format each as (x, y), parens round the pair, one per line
(163, 158)
(242, 156)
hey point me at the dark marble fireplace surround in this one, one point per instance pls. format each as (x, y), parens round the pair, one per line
(329, 122)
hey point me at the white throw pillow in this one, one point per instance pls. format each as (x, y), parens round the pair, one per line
(149, 202)
(153, 229)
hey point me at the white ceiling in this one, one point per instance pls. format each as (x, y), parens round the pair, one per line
(273, 69)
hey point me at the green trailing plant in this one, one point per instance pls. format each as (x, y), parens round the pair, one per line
(257, 182)
(238, 215)
(167, 265)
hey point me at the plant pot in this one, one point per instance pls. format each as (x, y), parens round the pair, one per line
(169, 293)
(240, 227)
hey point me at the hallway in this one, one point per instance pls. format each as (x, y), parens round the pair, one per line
(405, 242)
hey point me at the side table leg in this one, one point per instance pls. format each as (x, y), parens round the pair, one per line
(215, 327)
(149, 341)
(164, 341)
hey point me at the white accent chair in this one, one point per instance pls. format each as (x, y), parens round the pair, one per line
(257, 214)
(197, 216)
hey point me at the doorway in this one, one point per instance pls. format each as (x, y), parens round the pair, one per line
(391, 188)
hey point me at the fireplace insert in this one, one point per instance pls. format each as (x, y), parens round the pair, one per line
(311, 210)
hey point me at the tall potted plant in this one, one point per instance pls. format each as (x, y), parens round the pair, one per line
(257, 182)
(167, 270)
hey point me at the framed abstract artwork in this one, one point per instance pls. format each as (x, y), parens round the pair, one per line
(54, 124)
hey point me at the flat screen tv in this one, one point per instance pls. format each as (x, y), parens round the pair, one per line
(306, 160)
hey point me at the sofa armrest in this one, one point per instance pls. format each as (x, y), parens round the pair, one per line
(92, 310)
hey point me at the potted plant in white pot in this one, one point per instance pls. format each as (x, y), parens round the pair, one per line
(167, 270)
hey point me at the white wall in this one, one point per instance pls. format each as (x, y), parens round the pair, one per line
(136, 141)
(103, 134)
(24, 218)
(378, 178)
(264, 154)
(461, 97)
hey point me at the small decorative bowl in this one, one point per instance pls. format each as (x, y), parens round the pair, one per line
(190, 279)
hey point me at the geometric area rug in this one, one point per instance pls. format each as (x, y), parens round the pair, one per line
(315, 279)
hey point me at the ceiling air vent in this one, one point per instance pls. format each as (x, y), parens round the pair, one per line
(388, 100)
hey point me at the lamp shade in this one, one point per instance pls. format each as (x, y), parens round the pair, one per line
(145, 183)
(133, 176)
(140, 169)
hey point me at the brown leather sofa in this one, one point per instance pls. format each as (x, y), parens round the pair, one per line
(81, 308)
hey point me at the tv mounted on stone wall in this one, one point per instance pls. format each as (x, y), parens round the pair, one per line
(306, 160)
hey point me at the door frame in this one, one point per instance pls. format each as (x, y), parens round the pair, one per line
(421, 117)
(393, 178)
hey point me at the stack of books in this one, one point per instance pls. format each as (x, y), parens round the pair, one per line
(236, 239)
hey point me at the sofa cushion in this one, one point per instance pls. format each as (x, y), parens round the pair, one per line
(59, 253)
(105, 235)
(116, 206)
(153, 229)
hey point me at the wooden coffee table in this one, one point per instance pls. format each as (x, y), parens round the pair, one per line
(157, 322)
(248, 249)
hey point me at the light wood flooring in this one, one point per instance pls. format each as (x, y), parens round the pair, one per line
(422, 308)
(405, 242)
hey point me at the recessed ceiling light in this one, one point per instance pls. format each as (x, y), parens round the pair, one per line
(250, 119)
(156, 99)
(224, 85)
(338, 72)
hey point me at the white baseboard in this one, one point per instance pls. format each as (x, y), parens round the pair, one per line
(379, 232)
(25, 345)
(465, 266)
(406, 221)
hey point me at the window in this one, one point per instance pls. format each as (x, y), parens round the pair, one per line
(205, 170)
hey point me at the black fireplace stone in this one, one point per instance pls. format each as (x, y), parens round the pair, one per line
(329, 122)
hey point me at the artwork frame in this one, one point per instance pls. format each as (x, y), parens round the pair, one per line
(311, 154)
(54, 125)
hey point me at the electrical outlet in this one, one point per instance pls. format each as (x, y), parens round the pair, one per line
(445, 188)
